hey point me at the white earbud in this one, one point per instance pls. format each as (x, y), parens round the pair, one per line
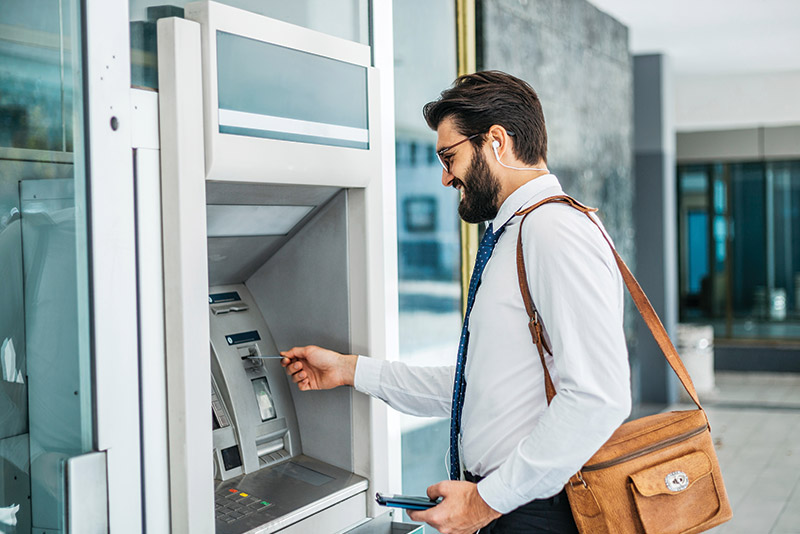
(496, 145)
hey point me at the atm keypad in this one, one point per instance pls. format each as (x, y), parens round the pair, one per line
(232, 504)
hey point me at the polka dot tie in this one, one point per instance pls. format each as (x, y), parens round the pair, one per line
(484, 253)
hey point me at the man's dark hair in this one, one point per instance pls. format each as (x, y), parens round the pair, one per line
(476, 102)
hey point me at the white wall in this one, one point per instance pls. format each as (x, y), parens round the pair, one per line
(728, 101)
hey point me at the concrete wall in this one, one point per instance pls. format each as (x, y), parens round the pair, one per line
(576, 58)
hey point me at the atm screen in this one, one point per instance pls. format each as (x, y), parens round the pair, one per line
(266, 406)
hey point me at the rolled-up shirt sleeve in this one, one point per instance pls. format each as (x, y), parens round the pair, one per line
(578, 291)
(414, 390)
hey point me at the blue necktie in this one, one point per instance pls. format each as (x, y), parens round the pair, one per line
(484, 252)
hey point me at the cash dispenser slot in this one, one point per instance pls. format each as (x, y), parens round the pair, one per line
(272, 449)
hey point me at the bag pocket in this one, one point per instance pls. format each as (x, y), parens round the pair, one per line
(675, 496)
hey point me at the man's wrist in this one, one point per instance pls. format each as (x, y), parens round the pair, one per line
(350, 362)
(487, 510)
(496, 494)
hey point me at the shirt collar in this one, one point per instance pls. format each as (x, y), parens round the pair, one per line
(526, 195)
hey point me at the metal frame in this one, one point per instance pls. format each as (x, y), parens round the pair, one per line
(152, 363)
(109, 169)
(185, 277)
(467, 63)
(86, 493)
(386, 470)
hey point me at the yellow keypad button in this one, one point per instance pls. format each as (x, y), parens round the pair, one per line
(244, 494)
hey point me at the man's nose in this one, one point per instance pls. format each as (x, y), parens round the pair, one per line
(447, 178)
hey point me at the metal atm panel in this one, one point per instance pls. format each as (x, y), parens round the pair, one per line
(254, 391)
(264, 483)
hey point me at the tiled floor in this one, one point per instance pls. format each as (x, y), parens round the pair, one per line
(755, 423)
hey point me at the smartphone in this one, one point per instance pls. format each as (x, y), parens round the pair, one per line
(406, 502)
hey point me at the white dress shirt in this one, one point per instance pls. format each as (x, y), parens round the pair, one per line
(525, 449)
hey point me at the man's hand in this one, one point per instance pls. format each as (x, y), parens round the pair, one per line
(462, 510)
(317, 368)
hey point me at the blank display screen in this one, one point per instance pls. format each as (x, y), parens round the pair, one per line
(267, 90)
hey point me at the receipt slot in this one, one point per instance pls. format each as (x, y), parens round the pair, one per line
(273, 236)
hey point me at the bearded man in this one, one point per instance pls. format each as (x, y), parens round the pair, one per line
(510, 453)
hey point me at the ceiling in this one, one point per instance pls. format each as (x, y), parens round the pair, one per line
(713, 36)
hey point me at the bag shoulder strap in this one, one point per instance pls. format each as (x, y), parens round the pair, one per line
(639, 298)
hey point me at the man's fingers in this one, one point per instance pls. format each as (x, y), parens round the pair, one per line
(297, 352)
(437, 490)
(422, 516)
(292, 368)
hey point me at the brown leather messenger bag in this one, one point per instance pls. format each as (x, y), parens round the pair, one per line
(655, 475)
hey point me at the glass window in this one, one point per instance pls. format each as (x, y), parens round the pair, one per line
(749, 244)
(693, 227)
(45, 379)
(348, 19)
(739, 263)
(784, 179)
(428, 224)
(35, 101)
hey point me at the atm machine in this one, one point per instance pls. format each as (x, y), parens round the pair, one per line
(272, 237)
(264, 482)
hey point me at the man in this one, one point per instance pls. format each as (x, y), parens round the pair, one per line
(516, 452)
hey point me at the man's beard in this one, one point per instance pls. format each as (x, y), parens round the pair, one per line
(481, 189)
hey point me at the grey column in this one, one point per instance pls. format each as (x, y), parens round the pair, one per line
(655, 220)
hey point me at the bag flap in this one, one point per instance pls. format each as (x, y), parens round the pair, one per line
(674, 476)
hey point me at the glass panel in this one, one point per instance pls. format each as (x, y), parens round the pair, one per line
(348, 19)
(749, 246)
(32, 103)
(783, 254)
(428, 224)
(718, 294)
(752, 286)
(45, 388)
(315, 99)
(693, 223)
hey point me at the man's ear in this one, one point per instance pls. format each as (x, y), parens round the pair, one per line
(500, 140)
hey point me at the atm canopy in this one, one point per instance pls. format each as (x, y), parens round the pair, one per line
(248, 223)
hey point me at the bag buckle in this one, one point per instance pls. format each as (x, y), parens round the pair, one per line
(580, 478)
(535, 328)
